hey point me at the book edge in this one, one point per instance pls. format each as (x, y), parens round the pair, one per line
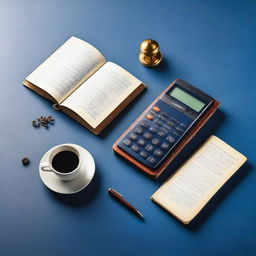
(184, 221)
(39, 91)
(122, 105)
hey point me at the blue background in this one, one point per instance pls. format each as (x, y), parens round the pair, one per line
(211, 44)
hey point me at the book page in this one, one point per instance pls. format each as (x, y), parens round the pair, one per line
(67, 68)
(186, 193)
(101, 94)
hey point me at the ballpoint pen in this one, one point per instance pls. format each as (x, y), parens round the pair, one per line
(121, 200)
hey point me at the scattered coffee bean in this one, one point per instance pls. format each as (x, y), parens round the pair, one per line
(50, 119)
(35, 124)
(43, 121)
(25, 161)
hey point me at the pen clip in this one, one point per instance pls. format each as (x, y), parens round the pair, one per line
(111, 189)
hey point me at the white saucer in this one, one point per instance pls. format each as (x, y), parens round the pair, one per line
(54, 183)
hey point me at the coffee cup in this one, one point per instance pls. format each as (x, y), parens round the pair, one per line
(64, 161)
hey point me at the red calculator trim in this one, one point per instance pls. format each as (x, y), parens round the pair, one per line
(176, 151)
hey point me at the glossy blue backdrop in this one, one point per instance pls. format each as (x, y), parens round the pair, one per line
(211, 44)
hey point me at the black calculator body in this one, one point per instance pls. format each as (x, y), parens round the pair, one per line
(162, 127)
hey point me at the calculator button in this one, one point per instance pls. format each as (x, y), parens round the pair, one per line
(144, 124)
(164, 130)
(183, 125)
(155, 141)
(159, 122)
(173, 119)
(180, 129)
(175, 133)
(167, 127)
(170, 123)
(151, 159)
(170, 139)
(156, 109)
(158, 152)
(147, 135)
(149, 148)
(171, 130)
(163, 117)
(150, 117)
(152, 129)
(139, 130)
(161, 133)
(135, 148)
(127, 142)
(144, 154)
(141, 142)
(133, 136)
(165, 146)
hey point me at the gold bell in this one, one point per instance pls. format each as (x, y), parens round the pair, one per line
(150, 55)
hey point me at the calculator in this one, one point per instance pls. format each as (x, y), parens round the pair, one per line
(157, 133)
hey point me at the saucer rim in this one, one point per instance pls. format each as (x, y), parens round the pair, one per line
(92, 171)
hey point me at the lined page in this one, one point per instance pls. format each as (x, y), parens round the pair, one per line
(199, 178)
(67, 68)
(97, 97)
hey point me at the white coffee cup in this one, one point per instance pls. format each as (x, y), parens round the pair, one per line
(66, 176)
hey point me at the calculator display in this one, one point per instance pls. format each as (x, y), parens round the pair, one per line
(187, 99)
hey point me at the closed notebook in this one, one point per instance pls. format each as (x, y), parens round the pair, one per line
(186, 192)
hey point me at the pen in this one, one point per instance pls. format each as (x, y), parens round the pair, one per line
(121, 200)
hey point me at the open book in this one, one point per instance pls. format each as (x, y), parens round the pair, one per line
(186, 192)
(77, 78)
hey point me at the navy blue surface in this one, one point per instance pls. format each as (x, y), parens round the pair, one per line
(211, 44)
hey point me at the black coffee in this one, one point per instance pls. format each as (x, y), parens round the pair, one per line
(65, 161)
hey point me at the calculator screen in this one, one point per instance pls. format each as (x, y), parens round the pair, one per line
(187, 99)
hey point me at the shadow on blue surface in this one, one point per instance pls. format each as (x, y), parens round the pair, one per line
(166, 69)
(83, 197)
(163, 67)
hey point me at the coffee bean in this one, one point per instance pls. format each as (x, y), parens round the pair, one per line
(43, 121)
(25, 161)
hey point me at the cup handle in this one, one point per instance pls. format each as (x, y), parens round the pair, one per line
(46, 168)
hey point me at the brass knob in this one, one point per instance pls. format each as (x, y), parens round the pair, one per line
(150, 55)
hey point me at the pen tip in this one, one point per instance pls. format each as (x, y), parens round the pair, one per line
(140, 215)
